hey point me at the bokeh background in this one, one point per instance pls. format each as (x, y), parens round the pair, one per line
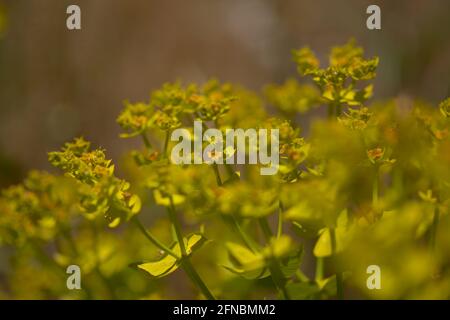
(57, 84)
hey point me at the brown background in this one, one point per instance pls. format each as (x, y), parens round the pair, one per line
(57, 84)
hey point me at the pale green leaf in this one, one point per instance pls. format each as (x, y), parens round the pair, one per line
(168, 264)
(323, 244)
(165, 200)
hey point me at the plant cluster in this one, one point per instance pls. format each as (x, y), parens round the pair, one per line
(368, 185)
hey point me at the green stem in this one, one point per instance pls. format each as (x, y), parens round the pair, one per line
(339, 279)
(319, 269)
(228, 166)
(434, 228)
(338, 110)
(153, 240)
(185, 259)
(166, 143)
(336, 105)
(195, 278)
(147, 143)
(231, 219)
(375, 188)
(278, 278)
(280, 220)
(301, 276)
(217, 174)
(275, 270)
(265, 228)
(230, 171)
(177, 227)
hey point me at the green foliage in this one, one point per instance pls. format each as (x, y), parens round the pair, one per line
(256, 265)
(37, 209)
(292, 97)
(170, 104)
(356, 119)
(369, 185)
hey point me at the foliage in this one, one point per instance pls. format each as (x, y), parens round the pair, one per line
(369, 185)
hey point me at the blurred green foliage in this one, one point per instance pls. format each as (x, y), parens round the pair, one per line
(369, 185)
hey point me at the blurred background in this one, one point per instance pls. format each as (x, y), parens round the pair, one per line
(56, 84)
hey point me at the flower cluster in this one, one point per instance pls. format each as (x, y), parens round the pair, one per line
(101, 193)
(39, 208)
(292, 97)
(338, 82)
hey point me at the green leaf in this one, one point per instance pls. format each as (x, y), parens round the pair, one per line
(328, 94)
(328, 286)
(291, 263)
(251, 265)
(160, 268)
(342, 220)
(194, 242)
(129, 135)
(244, 257)
(168, 264)
(307, 216)
(115, 222)
(233, 178)
(323, 244)
(246, 263)
(278, 247)
(165, 200)
(249, 274)
(135, 204)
